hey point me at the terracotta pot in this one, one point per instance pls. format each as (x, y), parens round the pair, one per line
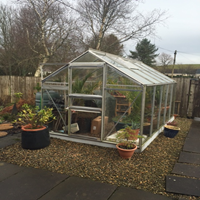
(28, 127)
(175, 116)
(134, 134)
(125, 153)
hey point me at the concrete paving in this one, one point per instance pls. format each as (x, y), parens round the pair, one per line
(187, 166)
(30, 184)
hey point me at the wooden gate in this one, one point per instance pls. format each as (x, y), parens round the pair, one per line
(193, 109)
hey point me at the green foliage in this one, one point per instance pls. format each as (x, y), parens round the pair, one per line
(17, 96)
(77, 86)
(37, 87)
(1, 108)
(35, 117)
(145, 52)
(127, 136)
(7, 117)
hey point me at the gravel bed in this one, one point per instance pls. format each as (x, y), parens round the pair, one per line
(146, 170)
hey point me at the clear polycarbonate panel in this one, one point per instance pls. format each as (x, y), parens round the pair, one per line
(138, 71)
(50, 68)
(149, 110)
(58, 80)
(157, 107)
(86, 81)
(122, 109)
(116, 79)
(58, 100)
(87, 57)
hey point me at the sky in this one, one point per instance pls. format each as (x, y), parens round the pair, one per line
(180, 31)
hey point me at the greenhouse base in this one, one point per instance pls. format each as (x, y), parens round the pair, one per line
(96, 142)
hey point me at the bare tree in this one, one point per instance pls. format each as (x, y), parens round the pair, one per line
(6, 40)
(165, 60)
(110, 44)
(51, 29)
(118, 17)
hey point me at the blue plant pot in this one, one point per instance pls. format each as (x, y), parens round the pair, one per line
(171, 131)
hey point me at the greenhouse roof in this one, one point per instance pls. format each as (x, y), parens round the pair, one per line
(136, 70)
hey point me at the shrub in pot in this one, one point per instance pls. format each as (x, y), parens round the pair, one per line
(126, 137)
(35, 133)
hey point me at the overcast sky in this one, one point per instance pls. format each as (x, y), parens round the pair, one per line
(181, 31)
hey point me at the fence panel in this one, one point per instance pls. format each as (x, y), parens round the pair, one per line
(9, 85)
(182, 92)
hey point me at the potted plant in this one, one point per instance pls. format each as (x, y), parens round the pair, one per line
(130, 120)
(172, 123)
(171, 131)
(126, 138)
(35, 133)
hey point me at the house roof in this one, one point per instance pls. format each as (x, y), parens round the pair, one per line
(136, 70)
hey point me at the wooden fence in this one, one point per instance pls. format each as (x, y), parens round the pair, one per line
(9, 85)
(182, 92)
(25, 85)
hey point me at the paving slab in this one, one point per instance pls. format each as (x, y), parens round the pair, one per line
(7, 170)
(123, 193)
(9, 140)
(183, 185)
(192, 145)
(194, 131)
(29, 184)
(80, 189)
(186, 170)
(188, 157)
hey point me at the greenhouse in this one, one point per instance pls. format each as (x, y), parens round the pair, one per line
(97, 94)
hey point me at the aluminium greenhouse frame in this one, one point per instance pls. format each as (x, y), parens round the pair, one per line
(144, 76)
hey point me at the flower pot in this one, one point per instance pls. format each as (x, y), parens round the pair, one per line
(35, 138)
(125, 153)
(170, 131)
(146, 128)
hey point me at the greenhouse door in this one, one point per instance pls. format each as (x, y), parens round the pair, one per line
(84, 80)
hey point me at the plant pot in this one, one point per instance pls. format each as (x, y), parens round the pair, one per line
(35, 138)
(146, 128)
(134, 134)
(125, 153)
(170, 131)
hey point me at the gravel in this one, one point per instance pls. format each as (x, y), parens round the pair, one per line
(146, 170)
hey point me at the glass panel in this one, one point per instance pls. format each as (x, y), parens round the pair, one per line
(122, 109)
(85, 81)
(149, 106)
(158, 102)
(60, 77)
(57, 101)
(115, 79)
(88, 57)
